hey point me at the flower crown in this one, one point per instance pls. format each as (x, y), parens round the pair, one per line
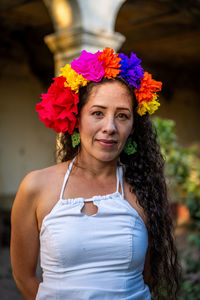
(58, 108)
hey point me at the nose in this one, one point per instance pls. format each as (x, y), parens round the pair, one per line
(109, 125)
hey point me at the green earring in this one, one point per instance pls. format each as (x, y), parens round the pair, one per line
(75, 139)
(130, 146)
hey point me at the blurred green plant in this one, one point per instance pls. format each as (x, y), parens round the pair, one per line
(182, 170)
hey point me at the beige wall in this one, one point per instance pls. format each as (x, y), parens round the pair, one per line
(26, 144)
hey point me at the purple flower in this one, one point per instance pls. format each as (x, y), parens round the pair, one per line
(88, 66)
(131, 69)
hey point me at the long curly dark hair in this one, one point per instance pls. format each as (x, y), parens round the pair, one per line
(144, 171)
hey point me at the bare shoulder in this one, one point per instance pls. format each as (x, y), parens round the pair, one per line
(37, 182)
(39, 192)
(132, 199)
(51, 185)
(34, 181)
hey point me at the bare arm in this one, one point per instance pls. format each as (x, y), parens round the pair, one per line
(25, 238)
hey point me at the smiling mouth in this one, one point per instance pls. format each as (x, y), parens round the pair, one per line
(107, 143)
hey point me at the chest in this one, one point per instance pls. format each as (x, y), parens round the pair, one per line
(115, 237)
(86, 189)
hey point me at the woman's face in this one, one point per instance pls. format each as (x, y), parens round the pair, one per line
(106, 121)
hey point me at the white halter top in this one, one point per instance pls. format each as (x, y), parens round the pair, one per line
(97, 257)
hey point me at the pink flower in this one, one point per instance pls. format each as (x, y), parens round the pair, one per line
(89, 66)
(58, 108)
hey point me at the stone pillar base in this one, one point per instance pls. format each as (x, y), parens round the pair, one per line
(68, 44)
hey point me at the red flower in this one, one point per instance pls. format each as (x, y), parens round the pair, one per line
(58, 108)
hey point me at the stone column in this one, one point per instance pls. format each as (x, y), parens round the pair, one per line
(82, 24)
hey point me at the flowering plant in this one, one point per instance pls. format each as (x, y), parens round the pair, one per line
(58, 108)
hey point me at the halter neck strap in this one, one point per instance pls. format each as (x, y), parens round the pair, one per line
(119, 175)
(120, 180)
(66, 178)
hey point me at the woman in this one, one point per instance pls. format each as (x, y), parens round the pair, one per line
(101, 216)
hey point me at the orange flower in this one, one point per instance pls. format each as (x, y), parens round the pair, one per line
(111, 62)
(148, 88)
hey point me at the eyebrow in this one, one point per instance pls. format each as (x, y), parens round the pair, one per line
(118, 108)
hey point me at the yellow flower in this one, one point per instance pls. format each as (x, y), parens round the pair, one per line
(150, 106)
(73, 79)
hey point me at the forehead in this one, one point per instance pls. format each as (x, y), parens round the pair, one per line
(111, 93)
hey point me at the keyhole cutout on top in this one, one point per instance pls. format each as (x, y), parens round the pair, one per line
(89, 208)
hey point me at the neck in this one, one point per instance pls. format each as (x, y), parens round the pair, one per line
(94, 167)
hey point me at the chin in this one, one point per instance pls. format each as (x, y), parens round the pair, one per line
(106, 157)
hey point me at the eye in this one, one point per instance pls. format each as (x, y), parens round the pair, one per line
(97, 113)
(122, 116)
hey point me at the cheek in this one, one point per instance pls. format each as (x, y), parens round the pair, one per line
(87, 127)
(126, 131)
(83, 123)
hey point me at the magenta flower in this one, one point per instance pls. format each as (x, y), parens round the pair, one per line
(89, 66)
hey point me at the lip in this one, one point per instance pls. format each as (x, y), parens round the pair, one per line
(107, 143)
